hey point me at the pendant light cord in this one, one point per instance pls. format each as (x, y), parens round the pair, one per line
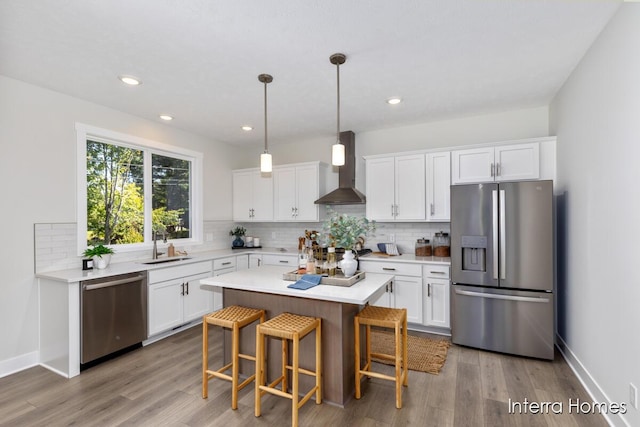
(265, 118)
(338, 98)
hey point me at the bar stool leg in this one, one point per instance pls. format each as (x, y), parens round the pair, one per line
(285, 360)
(368, 347)
(405, 357)
(356, 325)
(235, 350)
(205, 359)
(294, 380)
(259, 369)
(318, 364)
(398, 367)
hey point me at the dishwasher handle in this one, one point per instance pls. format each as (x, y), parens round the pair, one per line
(113, 283)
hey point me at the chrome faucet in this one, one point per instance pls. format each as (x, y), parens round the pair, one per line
(155, 243)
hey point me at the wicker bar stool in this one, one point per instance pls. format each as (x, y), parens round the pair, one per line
(395, 318)
(234, 318)
(287, 326)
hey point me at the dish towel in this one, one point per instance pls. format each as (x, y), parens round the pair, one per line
(307, 281)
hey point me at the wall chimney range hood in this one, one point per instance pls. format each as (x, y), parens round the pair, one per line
(346, 193)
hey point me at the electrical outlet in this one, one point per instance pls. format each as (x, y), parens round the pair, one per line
(392, 238)
(633, 395)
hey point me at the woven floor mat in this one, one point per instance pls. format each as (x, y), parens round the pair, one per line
(425, 354)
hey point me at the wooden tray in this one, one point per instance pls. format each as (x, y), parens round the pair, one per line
(337, 280)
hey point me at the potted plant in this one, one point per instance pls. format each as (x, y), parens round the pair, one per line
(345, 231)
(100, 254)
(238, 232)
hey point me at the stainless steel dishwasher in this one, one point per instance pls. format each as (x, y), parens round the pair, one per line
(113, 313)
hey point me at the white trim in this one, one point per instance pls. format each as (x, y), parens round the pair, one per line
(83, 132)
(589, 383)
(19, 363)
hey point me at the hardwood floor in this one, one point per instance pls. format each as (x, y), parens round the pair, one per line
(161, 385)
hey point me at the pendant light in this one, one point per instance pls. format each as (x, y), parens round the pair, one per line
(337, 150)
(265, 158)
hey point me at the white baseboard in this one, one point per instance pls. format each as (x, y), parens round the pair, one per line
(589, 383)
(18, 363)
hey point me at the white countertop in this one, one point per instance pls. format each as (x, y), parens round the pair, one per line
(115, 268)
(268, 279)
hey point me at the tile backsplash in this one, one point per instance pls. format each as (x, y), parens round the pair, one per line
(56, 244)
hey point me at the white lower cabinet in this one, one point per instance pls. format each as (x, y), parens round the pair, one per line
(405, 290)
(175, 296)
(282, 260)
(436, 296)
(255, 260)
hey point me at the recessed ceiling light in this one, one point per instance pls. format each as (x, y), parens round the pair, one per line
(247, 128)
(166, 117)
(394, 101)
(130, 80)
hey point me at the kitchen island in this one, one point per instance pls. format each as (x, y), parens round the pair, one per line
(263, 287)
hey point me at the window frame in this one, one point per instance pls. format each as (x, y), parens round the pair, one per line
(148, 147)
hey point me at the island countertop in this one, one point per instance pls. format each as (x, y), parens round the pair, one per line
(268, 279)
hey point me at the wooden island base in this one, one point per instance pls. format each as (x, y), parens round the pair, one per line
(337, 340)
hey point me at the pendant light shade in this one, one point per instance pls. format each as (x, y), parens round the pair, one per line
(266, 164)
(337, 150)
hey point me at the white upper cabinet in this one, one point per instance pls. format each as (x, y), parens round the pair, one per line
(396, 188)
(296, 188)
(498, 163)
(252, 196)
(438, 183)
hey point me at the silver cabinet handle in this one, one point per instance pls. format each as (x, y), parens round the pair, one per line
(284, 261)
(388, 269)
(497, 169)
(437, 272)
(259, 262)
(433, 209)
(187, 286)
(392, 210)
(494, 221)
(428, 289)
(112, 283)
(182, 291)
(492, 170)
(226, 263)
(296, 211)
(391, 287)
(503, 236)
(502, 297)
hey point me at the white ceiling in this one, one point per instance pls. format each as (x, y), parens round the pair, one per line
(199, 59)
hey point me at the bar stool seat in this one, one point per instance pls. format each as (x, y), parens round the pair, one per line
(234, 318)
(288, 327)
(396, 319)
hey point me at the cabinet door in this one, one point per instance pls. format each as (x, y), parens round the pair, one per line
(284, 182)
(517, 162)
(438, 186)
(281, 260)
(380, 189)
(383, 299)
(437, 312)
(410, 188)
(307, 192)
(242, 195)
(165, 306)
(198, 299)
(473, 165)
(408, 294)
(262, 196)
(255, 260)
(242, 262)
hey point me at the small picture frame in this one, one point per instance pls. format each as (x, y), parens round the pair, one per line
(87, 264)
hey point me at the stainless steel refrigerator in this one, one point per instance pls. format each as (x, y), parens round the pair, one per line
(502, 267)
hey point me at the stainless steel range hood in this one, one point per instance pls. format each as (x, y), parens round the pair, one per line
(346, 193)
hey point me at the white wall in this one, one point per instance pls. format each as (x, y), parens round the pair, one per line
(596, 117)
(37, 172)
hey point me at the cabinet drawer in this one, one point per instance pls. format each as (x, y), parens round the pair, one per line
(224, 263)
(291, 260)
(436, 270)
(179, 271)
(391, 268)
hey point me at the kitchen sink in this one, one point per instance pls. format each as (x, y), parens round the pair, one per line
(164, 260)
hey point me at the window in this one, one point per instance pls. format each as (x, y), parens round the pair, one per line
(130, 188)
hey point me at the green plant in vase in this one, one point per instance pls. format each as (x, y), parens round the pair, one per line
(238, 232)
(100, 254)
(345, 231)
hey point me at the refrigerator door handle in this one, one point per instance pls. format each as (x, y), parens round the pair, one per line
(494, 220)
(502, 297)
(503, 236)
